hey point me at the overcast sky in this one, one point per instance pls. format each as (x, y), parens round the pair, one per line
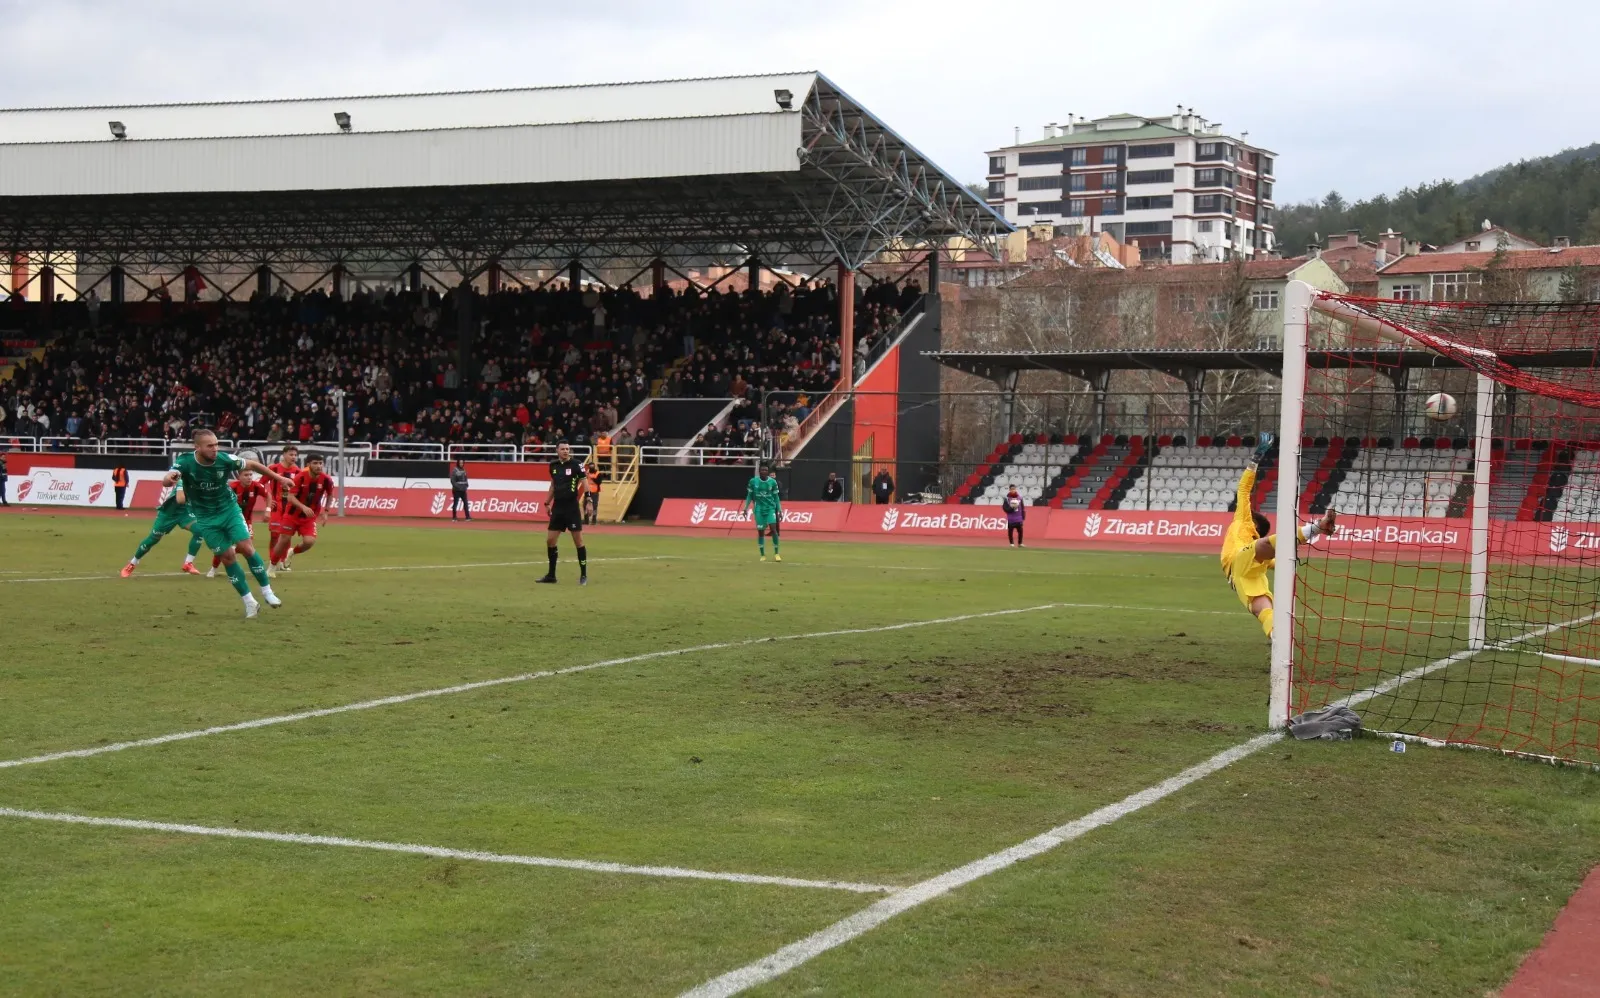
(1374, 98)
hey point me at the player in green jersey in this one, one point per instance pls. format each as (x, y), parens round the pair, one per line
(172, 512)
(203, 474)
(763, 494)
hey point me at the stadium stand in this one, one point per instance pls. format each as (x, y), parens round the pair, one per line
(550, 365)
(1426, 477)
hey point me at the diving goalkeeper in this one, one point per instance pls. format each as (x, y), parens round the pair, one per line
(1249, 552)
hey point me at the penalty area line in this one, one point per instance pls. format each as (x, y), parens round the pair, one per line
(782, 961)
(332, 571)
(473, 855)
(481, 684)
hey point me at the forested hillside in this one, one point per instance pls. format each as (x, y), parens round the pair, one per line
(1540, 198)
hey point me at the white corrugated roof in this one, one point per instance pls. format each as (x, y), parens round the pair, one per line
(698, 98)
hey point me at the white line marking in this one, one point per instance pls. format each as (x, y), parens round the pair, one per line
(1591, 662)
(331, 571)
(1390, 685)
(591, 866)
(501, 681)
(793, 955)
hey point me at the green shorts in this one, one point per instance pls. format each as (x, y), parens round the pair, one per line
(172, 515)
(222, 532)
(766, 519)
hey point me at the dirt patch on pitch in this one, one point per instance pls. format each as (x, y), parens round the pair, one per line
(1012, 690)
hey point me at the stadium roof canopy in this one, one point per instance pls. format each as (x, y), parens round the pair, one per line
(1094, 365)
(783, 167)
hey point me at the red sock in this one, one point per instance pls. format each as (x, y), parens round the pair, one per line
(300, 549)
(215, 561)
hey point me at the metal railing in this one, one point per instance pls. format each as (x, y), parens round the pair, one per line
(484, 452)
(408, 450)
(695, 456)
(547, 452)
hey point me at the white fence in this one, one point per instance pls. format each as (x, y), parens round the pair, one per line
(699, 455)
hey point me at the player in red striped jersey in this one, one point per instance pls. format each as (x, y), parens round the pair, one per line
(247, 492)
(311, 488)
(287, 465)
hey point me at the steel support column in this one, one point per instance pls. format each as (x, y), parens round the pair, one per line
(263, 282)
(492, 277)
(1196, 383)
(1100, 381)
(466, 326)
(414, 276)
(931, 306)
(753, 273)
(47, 285)
(119, 285)
(338, 280)
(1008, 400)
(847, 325)
(575, 276)
(658, 274)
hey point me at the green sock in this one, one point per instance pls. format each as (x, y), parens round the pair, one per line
(774, 543)
(236, 576)
(761, 544)
(258, 568)
(194, 544)
(150, 541)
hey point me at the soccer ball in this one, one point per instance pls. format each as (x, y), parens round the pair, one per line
(1440, 407)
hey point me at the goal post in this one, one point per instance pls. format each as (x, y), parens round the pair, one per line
(1451, 614)
(1296, 327)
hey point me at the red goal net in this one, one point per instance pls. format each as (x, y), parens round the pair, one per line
(1458, 601)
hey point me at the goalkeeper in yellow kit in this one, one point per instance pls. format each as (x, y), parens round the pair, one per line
(1249, 551)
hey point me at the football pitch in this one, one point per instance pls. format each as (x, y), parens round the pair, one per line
(425, 775)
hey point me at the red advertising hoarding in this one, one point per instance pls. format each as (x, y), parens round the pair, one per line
(724, 514)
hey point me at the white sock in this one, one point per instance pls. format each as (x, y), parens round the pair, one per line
(248, 599)
(133, 560)
(188, 559)
(266, 591)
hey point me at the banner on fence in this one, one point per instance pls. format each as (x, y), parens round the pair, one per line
(725, 514)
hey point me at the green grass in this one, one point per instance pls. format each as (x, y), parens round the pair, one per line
(884, 757)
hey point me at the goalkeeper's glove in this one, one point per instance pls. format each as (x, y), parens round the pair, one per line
(1264, 447)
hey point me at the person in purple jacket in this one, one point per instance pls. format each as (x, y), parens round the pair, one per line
(1016, 511)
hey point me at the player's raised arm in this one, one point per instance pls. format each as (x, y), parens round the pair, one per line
(1242, 512)
(251, 464)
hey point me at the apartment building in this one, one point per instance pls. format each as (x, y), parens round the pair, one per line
(1178, 185)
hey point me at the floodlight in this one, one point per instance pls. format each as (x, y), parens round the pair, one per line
(343, 118)
(785, 99)
(118, 130)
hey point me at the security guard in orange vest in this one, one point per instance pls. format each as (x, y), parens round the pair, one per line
(602, 450)
(591, 498)
(119, 483)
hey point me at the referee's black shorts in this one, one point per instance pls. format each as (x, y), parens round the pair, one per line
(566, 519)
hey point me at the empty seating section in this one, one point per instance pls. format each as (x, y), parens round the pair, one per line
(1189, 479)
(1580, 497)
(1402, 482)
(1032, 470)
(1532, 479)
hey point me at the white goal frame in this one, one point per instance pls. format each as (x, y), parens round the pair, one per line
(1300, 301)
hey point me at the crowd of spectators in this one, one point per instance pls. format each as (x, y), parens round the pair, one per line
(546, 366)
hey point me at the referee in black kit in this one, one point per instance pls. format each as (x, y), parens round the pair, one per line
(567, 485)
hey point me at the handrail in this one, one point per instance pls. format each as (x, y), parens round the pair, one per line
(409, 450)
(480, 452)
(695, 456)
(547, 452)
